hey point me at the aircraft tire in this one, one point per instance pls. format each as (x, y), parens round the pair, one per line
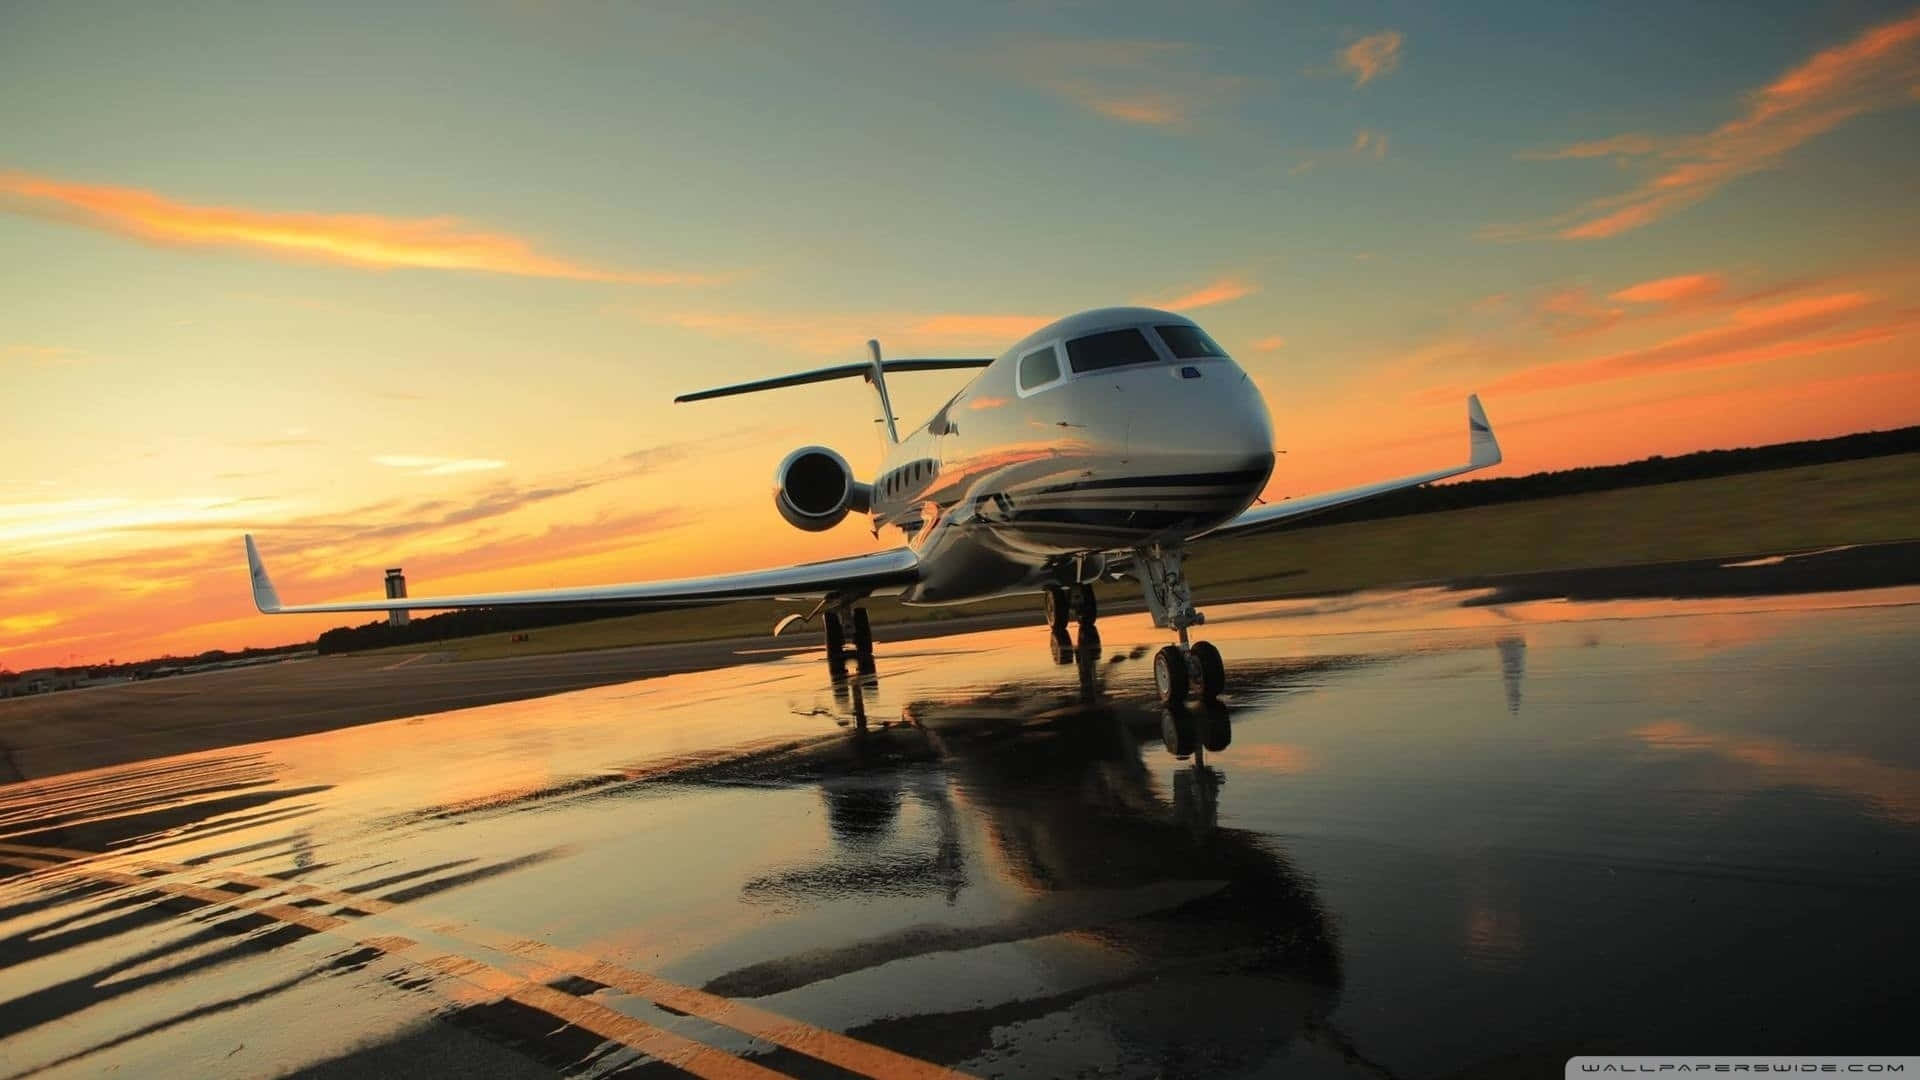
(1170, 676)
(1057, 612)
(1089, 607)
(1177, 732)
(1213, 670)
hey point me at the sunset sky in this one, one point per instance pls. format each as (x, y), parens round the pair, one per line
(416, 287)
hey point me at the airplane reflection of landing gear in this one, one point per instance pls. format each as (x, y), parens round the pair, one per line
(1187, 665)
(1187, 733)
(1085, 656)
(852, 694)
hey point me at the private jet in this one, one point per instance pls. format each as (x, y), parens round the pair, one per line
(1099, 446)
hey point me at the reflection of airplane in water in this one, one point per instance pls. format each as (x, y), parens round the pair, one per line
(1096, 447)
(1212, 952)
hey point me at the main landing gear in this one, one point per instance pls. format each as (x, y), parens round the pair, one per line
(1184, 668)
(1066, 601)
(837, 651)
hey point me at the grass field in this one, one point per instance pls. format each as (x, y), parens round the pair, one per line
(1847, 502)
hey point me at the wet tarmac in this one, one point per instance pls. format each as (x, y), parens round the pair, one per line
(1430, 834)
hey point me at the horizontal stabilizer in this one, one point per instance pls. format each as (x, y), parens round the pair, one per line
(864, 369)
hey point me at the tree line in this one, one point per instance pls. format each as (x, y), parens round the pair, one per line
(1654, 470)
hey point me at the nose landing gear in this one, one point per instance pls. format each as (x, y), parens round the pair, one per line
(1186, 666)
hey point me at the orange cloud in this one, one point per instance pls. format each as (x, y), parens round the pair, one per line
(1873, 71)
(996, 327)
(828, 333)
(362, 240)
(1147, 108)
(1571, 312)
(1221, 291)
(1806, 326)
(1680, 289)
(1617, 146)
(1270, 344)
(437, 466)
(37, 354)
(1372, 56)
(1147, 83)
(30, 623)
(1370, 144)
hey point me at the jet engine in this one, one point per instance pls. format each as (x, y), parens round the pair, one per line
(814, 489)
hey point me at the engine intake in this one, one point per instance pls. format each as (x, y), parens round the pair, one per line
(814, 489)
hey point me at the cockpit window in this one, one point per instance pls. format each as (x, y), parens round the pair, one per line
(1114, 348)
(1189, 342)
(1039, 368)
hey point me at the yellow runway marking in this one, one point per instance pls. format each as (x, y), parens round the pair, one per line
(865, 1059)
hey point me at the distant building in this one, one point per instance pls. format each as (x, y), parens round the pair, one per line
(396, 589)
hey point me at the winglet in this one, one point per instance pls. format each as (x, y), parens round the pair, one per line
(264, 596)
(1485, 448)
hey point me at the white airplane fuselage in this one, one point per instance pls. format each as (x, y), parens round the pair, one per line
(1098, 446)
(1022, 480)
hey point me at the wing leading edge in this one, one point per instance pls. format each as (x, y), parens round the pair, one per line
(859, 575)
(1483, 450)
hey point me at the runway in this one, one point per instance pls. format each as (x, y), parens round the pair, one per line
(1423, 839)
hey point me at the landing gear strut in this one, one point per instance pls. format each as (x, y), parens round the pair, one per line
(1187, 665)
(837, 651)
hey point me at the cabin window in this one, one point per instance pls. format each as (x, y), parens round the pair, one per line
(1189, 342)
(1039, 368)
(1114, 348)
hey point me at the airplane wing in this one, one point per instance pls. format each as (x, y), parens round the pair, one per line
(859, 575)
(1482, 450)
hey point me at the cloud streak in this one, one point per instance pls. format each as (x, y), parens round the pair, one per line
(438, 466)
(1219, 291)
(37, 354)
(362, 240)
(1372, 56)
(1154, 84)
(1876, 70)
(1671, 291)
(830, 332)
(1804, 326)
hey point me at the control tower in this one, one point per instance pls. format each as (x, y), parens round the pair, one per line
(396, 589)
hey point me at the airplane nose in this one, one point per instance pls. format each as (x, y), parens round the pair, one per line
(1212, 422)
(1247, 420)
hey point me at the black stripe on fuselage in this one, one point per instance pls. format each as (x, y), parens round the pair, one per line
(1104, 517)
(1175, 480)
